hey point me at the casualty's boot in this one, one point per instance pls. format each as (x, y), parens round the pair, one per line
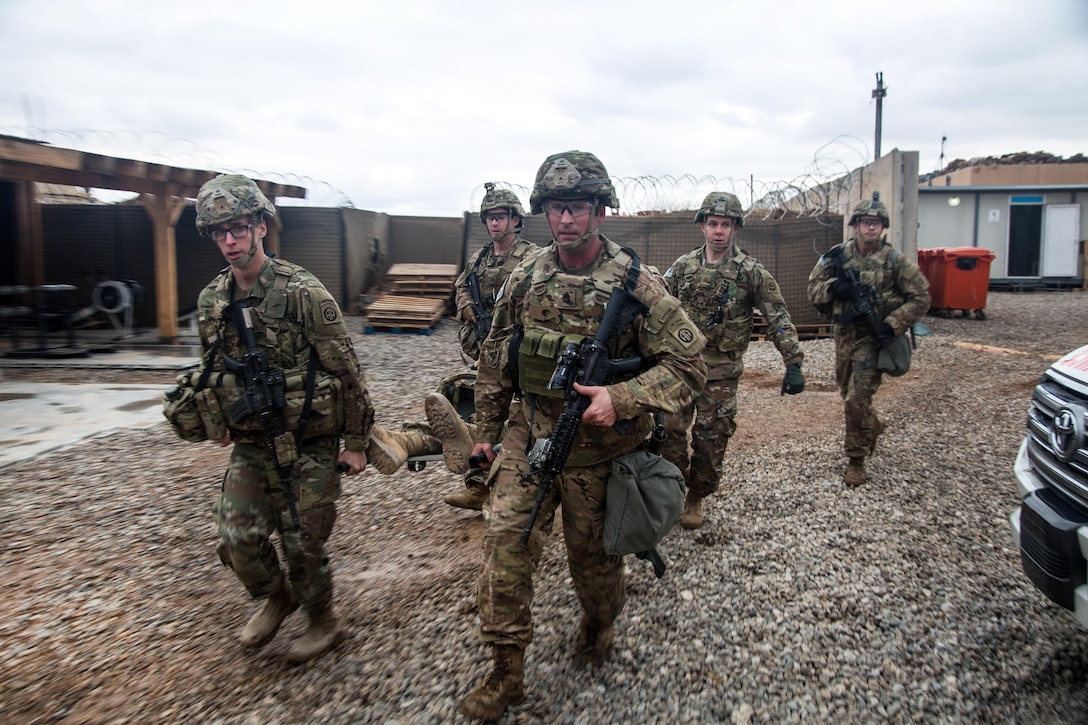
(418, 443)
(504, 686)
(595, 643)
(389, 450)
(451, 429)
(472, 496)
(692, 518)
(262, 626)
(855, 472)
(320, 636)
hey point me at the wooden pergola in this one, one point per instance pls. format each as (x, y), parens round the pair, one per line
(164, 191)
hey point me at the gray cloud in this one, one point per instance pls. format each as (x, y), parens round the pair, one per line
(408, 107)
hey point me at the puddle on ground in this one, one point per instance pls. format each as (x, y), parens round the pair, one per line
(139, 405)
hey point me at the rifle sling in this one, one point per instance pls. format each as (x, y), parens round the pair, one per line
(307, 405)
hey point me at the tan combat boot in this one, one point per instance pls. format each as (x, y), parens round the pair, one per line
(472, 497)
(692, 518)
(262, 626)
(595, 643)
(321, 635)
(389, 450)
(503, 687)
(451, 429)
(855, 472)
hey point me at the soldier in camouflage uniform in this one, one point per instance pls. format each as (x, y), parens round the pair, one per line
(296, 323)
(501, 214)
(559, 294)
(719, 285)
(903, 293)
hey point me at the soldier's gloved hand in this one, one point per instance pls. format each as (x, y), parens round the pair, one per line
(840, 289)
(884, 332)
(794, 382)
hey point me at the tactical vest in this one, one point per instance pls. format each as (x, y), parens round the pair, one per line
(320, 404)
(581, 301)
(836, 257)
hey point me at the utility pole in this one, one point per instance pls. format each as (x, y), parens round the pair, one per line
(878, 93)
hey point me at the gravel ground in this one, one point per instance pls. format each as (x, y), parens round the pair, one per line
(901, 601)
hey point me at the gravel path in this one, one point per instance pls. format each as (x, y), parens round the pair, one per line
(901, 601)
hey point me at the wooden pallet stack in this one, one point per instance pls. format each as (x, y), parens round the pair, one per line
(416, 298)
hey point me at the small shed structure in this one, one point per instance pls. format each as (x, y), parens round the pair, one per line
(164, 191)
(1028, 211)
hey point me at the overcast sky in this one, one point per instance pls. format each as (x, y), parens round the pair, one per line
(408, 107)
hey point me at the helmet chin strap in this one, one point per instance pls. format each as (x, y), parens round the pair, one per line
(245, 258)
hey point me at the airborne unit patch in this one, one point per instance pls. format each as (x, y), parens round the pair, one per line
(330, 313)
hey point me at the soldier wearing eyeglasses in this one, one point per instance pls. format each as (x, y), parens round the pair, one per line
(901, 295)
(719, 285)
(502, 215)
(556, 295)
(297, 325)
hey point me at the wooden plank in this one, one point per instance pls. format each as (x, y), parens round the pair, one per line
(422, 270)
(404, 311)
(424, 289)
(396, 330)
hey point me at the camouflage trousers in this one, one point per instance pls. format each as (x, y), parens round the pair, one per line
(858, 380)
(505, 584)
(252, 506)
(711, 419)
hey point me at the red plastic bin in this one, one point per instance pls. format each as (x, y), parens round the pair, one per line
(959, 277)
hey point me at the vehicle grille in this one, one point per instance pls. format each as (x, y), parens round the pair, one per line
(1067, 477)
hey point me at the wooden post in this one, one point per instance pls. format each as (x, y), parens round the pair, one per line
(164, 211)
(28, 235)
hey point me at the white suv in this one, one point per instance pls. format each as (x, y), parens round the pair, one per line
(1050, 526)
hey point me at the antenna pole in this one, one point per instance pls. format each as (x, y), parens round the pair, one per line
(878, 93)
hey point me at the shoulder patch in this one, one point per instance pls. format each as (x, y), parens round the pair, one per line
(330, 312)
(684, 333)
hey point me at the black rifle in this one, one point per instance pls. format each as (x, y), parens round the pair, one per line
(586, 363)
(480, 308)
(863, 300)
(265, 395)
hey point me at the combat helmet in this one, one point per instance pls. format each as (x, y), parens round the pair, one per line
(229, 196)
(572, 175)
(873, 207)
(721, 203)
(501, 199)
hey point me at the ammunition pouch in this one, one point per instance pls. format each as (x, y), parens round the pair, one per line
(180, 410)
(224, 390)
(537, 357)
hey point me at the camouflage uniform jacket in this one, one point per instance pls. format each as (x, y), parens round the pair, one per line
(491, 271)
(293, 314)
(735, 286)
(539, 294)
(903, 289)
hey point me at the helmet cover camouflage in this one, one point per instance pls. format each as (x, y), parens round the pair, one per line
(501, 199)
(227, 197)
(721, 203)
(873, 207)
(572, 175)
